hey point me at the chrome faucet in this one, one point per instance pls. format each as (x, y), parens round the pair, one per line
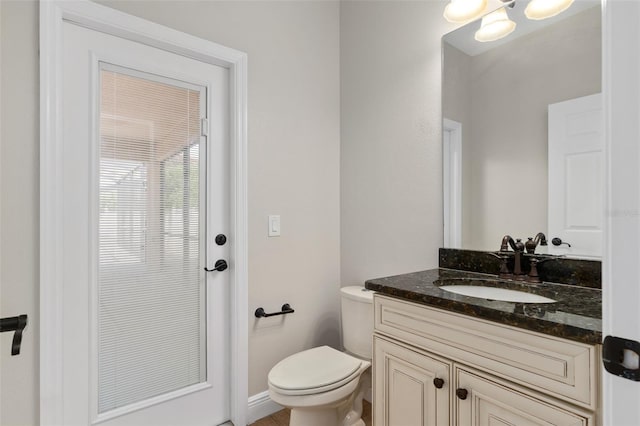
(518, 249)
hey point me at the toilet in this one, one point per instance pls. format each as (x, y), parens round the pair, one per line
(323, 386)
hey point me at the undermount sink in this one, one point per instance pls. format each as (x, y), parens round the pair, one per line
(495, 293)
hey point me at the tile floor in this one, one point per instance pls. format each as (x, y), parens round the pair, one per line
(281, 418)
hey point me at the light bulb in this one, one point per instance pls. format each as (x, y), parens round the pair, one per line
(495, 26)
(461, 11)
(543, 9)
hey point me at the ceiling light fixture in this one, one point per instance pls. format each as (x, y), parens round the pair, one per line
(495, 26)
(543, 9)
(461, 11)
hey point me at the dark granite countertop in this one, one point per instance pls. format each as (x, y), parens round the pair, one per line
(576, 315)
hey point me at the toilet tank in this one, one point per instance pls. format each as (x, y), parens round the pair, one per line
(357, 320)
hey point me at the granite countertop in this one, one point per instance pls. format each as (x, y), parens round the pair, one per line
(576, 315)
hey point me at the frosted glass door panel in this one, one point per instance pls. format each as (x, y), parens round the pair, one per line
(151, 287)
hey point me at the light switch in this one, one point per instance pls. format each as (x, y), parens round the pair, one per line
(274, 225)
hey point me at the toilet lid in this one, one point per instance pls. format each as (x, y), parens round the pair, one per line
(315, 368)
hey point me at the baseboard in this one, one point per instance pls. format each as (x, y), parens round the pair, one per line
(261, 405)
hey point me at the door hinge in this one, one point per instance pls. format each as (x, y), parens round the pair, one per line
(204, 127)
(621, 357)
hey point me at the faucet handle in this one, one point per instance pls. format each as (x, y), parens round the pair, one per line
(504, 269)
(530, 245)
(533, 272)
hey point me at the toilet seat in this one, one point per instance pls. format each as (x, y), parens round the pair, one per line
(313, 371)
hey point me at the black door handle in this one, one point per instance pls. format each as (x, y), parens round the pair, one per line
(558, 241)
(613, 351)
(462, 393)
(438, 382)
(220, 266)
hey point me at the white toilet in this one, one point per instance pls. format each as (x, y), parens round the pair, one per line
(323, 386)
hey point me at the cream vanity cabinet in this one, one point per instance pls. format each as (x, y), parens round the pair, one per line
(434, 367)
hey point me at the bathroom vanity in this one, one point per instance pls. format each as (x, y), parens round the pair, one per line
(458, 345)
(442, 358)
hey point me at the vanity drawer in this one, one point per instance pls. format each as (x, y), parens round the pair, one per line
(558, 367)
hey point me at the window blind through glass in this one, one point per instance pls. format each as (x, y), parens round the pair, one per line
(151, 293)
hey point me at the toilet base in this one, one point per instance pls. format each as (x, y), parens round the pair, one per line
(319, 418)
(326, 416)
(314, 417)
(344, 413)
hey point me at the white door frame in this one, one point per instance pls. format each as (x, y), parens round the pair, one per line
(452, 183)
(110, 21)
(620, 277)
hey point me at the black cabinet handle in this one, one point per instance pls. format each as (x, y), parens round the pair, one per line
(438, 383)
(462, 393)
(220, 266)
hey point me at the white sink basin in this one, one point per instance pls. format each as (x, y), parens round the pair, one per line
(494, 293)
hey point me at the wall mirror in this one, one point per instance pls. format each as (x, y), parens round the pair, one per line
(523, 133)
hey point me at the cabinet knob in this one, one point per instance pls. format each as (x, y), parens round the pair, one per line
(438, 382)
(462, 393)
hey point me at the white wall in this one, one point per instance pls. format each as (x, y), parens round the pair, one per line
(391, 171)
(294, 149)
(19, 269)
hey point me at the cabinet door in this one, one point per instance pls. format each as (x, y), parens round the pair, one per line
(405, 393)
(495, 404)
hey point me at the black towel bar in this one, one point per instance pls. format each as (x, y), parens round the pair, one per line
(286, 309)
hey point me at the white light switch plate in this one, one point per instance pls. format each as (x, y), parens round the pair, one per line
(274, 225)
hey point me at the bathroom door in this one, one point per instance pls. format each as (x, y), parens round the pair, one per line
(576, 175)
(145, 327)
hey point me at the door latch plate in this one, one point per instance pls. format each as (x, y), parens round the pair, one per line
(616, 352)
